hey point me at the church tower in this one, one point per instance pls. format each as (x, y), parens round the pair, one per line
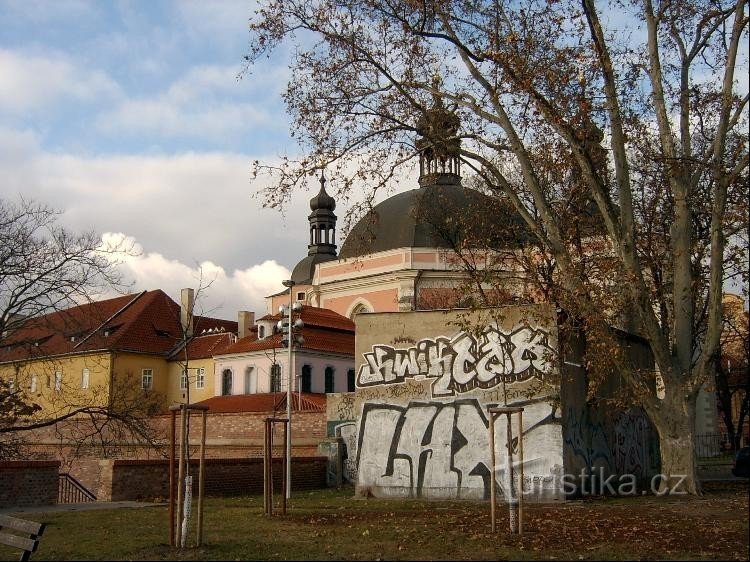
(322, 222)
(322, 246)
(439, 146)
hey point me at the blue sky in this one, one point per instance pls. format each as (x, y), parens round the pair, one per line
(129, 116)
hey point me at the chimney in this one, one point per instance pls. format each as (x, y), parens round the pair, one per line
(245, 321)
(187, 301)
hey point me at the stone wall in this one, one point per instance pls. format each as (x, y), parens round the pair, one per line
(28, 483)
(126, 479)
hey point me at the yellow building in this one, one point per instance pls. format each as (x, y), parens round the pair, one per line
(120, 349)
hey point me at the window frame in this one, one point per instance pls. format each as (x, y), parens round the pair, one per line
(275, 373)
(330, 375)
(85, 378)
(200, 378)
(184, 379)
(147, 375)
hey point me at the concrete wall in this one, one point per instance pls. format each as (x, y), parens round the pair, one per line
(28, 483)
(123, 480)
(417, 424)
(602, 439)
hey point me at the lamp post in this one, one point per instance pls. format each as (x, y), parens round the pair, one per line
(288, 328)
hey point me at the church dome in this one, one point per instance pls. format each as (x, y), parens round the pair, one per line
(302, 273)
(439, 215)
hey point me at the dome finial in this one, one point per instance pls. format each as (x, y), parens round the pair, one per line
(322, 200)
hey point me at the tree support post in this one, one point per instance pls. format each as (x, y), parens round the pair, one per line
(515, 497)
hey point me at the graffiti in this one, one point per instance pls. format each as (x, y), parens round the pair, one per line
(345, 407)
(348, 432)
(586, 439)
(464, 362)
(403, 339)
(399, 390)
(616, 442)
(630, 452)
(441, 449)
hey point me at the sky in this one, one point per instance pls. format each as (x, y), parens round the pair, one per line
(130, 117)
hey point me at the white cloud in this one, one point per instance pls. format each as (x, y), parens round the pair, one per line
(207, 102)
(29, 81)
(224, 293)
(165, 117)
(193, 207)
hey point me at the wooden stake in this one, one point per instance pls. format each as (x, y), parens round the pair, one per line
(201, 481)
(171, 477)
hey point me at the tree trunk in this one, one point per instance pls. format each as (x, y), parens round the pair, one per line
(674, 421)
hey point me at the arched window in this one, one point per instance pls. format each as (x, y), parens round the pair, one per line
(329, 380)
(261, 332)
(226, 382)
(305, 380)
(275, 377)
(251, 381)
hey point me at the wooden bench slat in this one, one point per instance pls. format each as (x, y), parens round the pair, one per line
(22, 525)
(23, 543)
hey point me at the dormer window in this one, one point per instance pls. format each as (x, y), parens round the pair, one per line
(109, 330)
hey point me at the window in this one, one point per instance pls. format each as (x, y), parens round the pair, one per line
(147, 379)
(251, 382)
(183, 380)
(329, 379)
(32, 388)
(275, 377)
(12, 386)
(200, 378)
(305, 381)
(300, 296)
(85, 378)
(350, 381)
(261, 332)
(226, 382)
(58, 381)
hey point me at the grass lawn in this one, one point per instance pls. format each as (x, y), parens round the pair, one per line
(331, 524)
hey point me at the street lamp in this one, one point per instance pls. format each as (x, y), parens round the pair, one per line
(289, 339)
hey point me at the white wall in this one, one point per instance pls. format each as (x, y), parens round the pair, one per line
(262, 361)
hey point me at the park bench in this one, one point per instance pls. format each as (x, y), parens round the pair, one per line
(24, 534)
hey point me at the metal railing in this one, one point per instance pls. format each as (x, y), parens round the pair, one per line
(716, 445)
(71, 490)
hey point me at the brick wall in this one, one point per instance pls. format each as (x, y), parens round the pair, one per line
(28, 483)
(228, 435)
(126, 479)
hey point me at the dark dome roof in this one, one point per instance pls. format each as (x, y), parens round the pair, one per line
(303, 272)
(322, 200)
(438, 215)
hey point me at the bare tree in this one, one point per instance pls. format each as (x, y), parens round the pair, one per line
(642, 105)
(44, 268)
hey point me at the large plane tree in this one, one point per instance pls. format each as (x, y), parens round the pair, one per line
(640, 107)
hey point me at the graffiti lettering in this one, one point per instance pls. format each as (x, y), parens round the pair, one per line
(464, 362)
(441, 449)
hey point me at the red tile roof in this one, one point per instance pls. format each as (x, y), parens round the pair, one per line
(268, 402)
(319, 317)
(315, 339)
(205, 346)
(147, 322)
